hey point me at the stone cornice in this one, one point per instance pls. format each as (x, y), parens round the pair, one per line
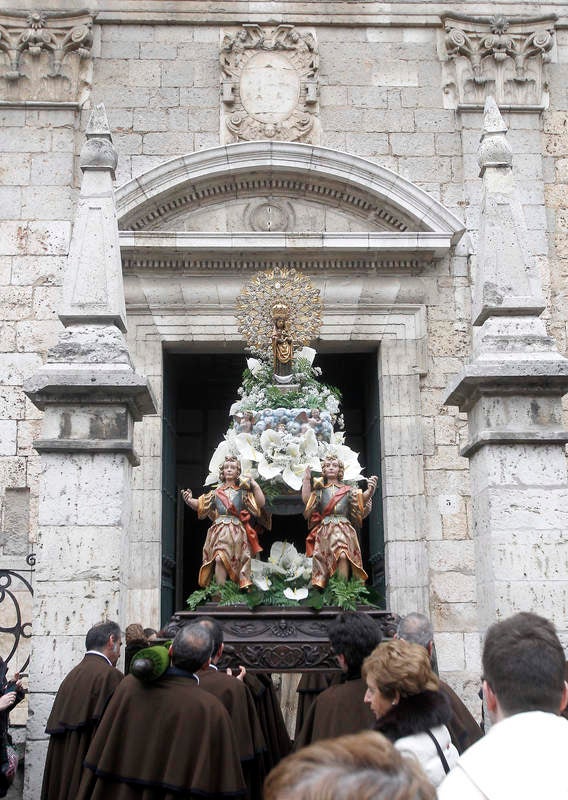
(523, 376)
(314, 252)
(229, 265)
(74, 385)
(314, 12)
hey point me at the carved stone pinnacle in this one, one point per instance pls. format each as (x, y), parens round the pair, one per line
(494, 149)
(98, 150)
(97, 125)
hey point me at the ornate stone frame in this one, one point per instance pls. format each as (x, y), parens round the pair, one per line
(284, 63)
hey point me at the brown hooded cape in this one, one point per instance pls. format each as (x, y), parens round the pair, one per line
(78, 707)
(271, 720)
(238, 701)
(310, 686)
(164, 740)
(337, 711)
(464, 730)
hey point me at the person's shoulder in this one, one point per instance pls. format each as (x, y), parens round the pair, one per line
(458, 786)
(341, 698)
(345, 689)
(220, 678)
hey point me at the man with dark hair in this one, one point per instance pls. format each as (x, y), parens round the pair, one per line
(340, 710)
(165, 738)
(463, 728)
(523, 754)
(238, 701)
(77, 709)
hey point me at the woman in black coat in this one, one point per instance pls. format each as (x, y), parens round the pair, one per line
(402, 691)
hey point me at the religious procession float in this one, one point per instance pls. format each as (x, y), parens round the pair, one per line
(285, 440)
(285, 444)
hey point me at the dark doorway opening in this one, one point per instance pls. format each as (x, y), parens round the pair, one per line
(199, 389)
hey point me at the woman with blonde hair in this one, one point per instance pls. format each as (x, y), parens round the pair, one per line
(361, 766)
(402, 691)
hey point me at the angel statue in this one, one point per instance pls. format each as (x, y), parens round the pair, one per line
(334, 511)
(231, 540)
(282, 345)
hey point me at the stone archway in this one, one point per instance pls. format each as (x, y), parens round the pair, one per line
(194, 227)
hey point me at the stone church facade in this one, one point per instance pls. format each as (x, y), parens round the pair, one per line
(412, 159)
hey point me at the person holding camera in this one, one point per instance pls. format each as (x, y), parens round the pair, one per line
(11, 693)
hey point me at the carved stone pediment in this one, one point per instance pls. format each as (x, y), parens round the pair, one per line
(270, 203)
(269, 86)
(45, 58)
(495, 56)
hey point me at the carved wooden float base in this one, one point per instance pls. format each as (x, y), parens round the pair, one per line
(279, 639)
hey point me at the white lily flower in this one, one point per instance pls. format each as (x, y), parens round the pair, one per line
(282, 553)
(245, 446)
(274, 569)
(261, 582)
(266, 470)
(222, 451)
(234, 408)
(308, 353)
(254, 365)
(309, 443)
(296, 594)
(293, 476)
(297, 569)
(269, 439)
(293, 449)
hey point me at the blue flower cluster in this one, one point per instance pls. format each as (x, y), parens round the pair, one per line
(295, 421)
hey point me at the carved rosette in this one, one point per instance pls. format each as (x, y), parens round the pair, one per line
(496, 57)
(269, 84)
(45, 58)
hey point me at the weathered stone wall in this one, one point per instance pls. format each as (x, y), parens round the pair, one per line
(555, 179)
(37, 153)
(381, 97)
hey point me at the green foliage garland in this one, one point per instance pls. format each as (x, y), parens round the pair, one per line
(338, 593)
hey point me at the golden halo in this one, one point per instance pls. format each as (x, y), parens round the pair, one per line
(278, 286)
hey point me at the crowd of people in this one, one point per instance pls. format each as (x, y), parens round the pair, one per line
(389, 729)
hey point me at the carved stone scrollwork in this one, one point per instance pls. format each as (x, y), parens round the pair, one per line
(496, 57)
(45, 58)
(269, 84)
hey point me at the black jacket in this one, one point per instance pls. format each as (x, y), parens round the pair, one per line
(415, 714)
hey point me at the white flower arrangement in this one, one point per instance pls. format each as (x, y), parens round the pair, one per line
(284, 561)
(278, 443)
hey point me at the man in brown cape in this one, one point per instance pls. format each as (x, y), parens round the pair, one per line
(463, 728)
(238, 701)
(340, 709)
(77, 709)
(267, 704)
(165, 739)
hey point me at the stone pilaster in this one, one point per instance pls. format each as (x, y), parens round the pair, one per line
(91, 396)
(512, 394)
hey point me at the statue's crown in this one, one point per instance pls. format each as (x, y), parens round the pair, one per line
(280, 310)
